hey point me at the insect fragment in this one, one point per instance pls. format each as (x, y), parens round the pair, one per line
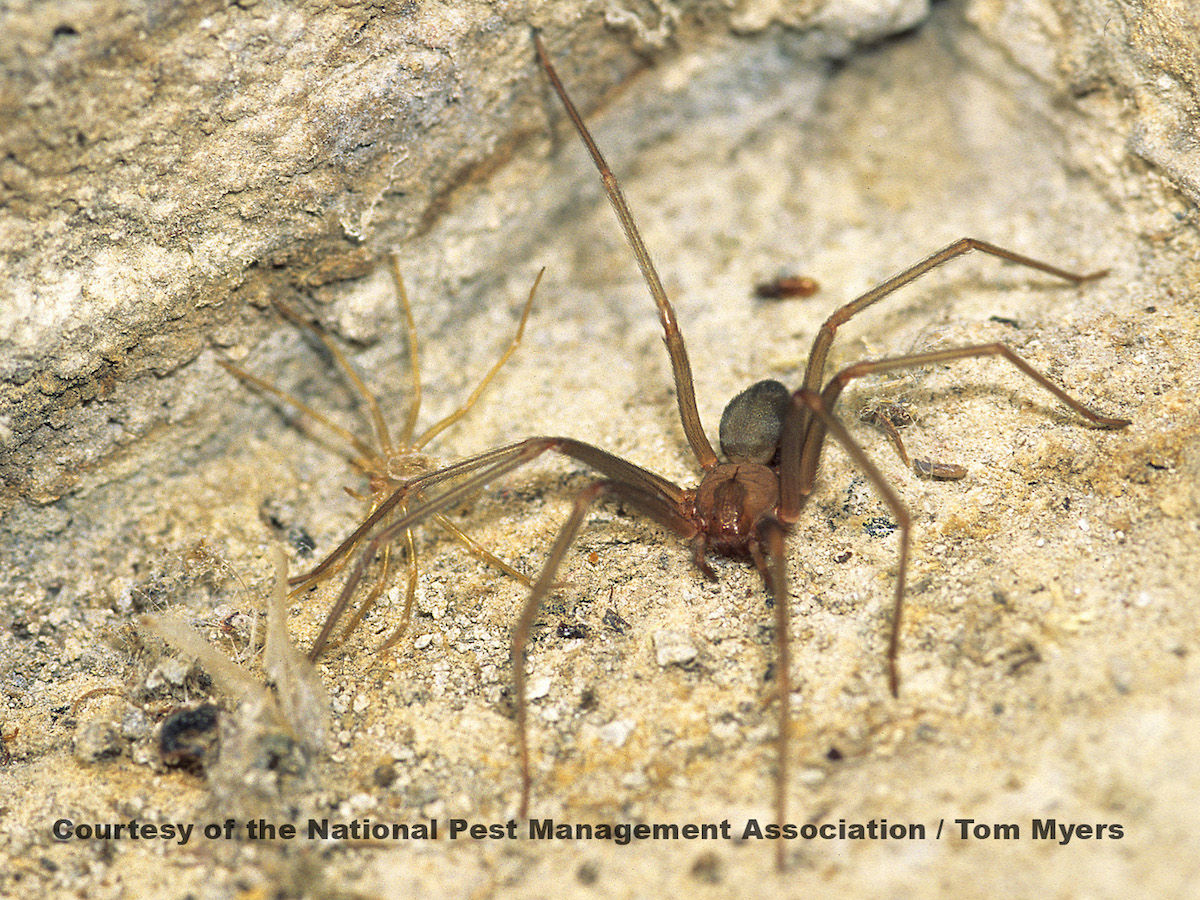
(786, 287)
(891, 417)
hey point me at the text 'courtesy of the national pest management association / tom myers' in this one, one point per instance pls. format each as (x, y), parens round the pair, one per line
(622, 833)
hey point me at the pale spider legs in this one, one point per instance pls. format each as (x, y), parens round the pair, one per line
(388, 464)
(409, 457)
(764, 500)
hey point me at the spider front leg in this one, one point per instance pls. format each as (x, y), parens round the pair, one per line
(651, 494)
(464, 479)
(681, 368)
(773, 534)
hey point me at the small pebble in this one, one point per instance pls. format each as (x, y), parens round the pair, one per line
(171, 671)
(98, 739)
(135, 724)
(616, 732)
(673, 647)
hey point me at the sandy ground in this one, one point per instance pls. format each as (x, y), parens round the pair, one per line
(1049, 657)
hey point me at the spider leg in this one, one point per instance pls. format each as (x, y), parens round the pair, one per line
(773, 533)
(685, 392)
(481, 552)
(653, 495)
(653, 503)
(377, 589)
(474, 473)
(438, 427)
(414, 355)
(336, 558)
(485, 466)
(410, 595)
(409, 539)
(804, 438)
(811, 452)
(825, 422)
(365, 452)
(824, 339)
(374, 413)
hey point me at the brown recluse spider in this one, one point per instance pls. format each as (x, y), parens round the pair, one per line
(771, 438)
(389, 464)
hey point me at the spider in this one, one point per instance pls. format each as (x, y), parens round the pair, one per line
(771, 438)
(390, 465)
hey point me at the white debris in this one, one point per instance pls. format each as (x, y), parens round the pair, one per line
(673, 647)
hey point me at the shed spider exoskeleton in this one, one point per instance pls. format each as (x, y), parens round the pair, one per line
(771, 438)
(390, 466)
